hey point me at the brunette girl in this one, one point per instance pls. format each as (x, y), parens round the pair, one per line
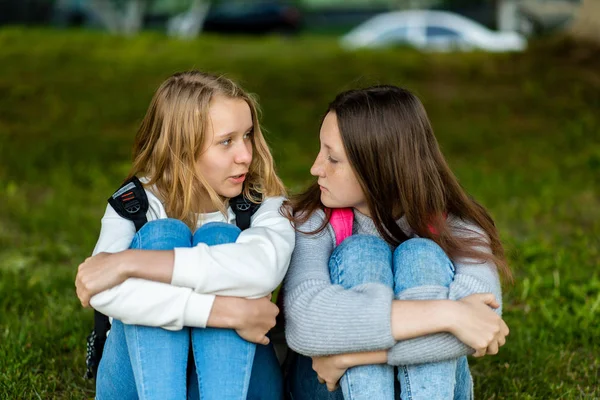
(415, 286)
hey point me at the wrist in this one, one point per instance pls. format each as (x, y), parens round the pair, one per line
(342, 361)
(125, 268)
(224, 313)
(450, 314)
(414, 318)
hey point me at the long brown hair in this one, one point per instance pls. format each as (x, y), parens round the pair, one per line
(171, 137)
(393, 151)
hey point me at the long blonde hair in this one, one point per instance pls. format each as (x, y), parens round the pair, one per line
(171, 137)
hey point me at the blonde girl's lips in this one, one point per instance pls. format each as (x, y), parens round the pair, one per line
(238, 178)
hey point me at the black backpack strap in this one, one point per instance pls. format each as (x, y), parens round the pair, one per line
(131, 202)
(243, 209)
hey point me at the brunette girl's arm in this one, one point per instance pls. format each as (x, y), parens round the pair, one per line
(324, 319)
(471, 277)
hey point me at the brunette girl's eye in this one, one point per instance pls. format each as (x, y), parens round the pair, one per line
(331, 160)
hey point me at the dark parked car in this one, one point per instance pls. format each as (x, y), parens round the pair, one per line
(255, 17)
(225, 16)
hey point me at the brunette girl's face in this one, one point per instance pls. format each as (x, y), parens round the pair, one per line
(227, 151)
(338, 182)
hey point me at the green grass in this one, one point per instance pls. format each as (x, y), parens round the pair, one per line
(521, 131)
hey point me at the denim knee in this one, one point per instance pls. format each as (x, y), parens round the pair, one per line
(215, 233)
(421, 262)
(162, 234)
(361, 259)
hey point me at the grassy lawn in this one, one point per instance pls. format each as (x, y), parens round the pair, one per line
(521, 131)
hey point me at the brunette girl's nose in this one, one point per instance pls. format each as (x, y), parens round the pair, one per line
(317, 168)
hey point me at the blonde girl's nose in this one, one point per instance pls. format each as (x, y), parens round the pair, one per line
(244, 154)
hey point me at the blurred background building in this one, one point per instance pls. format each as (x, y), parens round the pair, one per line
(187, 18)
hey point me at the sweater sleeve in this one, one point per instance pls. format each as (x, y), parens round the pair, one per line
(144, 302)
(251, 267)
(471, 276)
(322, 318)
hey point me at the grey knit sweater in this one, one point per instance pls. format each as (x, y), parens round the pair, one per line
(323, 319)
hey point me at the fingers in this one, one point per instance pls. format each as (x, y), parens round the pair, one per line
(480, 352)
(504, 329)
(501, 341)
(331, 386)
(84, 298)
(492, 348)
(83, 292)
(490, 300)
(275, 310)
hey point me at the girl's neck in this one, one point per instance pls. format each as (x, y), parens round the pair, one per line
(206, 206)
(363, 211)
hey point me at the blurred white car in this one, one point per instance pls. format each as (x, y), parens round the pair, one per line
(430, 30)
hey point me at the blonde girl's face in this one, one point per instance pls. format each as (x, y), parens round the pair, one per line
(227, 153)
(338, 182)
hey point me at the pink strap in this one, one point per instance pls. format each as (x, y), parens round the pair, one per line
(432, 228)
(341, 221)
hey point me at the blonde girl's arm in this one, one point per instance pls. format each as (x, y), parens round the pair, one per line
(155, 304)
(252, 267)
(159, 304)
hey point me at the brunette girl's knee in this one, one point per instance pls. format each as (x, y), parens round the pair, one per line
(362, 243)
(361, 259)
(162, 234)
(421, 262)
(215, 233)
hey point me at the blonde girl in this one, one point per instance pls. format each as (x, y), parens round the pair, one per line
(189, 281)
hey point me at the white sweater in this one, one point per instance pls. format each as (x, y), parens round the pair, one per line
(251, 267)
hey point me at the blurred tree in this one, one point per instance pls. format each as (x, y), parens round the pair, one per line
(586, 24)
(126, 17)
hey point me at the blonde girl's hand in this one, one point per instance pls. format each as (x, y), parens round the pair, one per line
(96, 274)
(477, 325)
(255, 318)
(329, 369)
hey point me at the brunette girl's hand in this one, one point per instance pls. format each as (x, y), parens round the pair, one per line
(255, 318)
(96, 274)
(477, 325)
(329, 369)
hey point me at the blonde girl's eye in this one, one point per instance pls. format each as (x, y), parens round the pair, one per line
(331, 160)
(226, 142)
(248, 135)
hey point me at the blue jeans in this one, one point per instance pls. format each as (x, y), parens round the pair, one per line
(152, 363)
(417, 262)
